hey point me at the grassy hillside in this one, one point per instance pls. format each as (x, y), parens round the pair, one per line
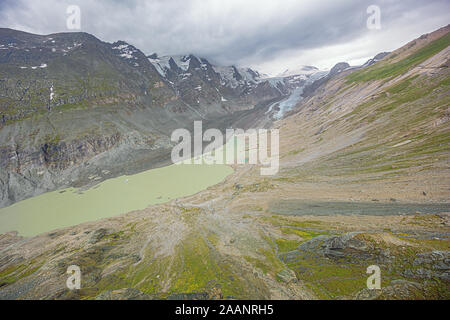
(396, 112)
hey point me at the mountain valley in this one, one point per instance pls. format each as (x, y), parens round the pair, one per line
(364, 173)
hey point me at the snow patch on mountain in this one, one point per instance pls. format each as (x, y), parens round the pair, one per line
(162, 64)
(125, 50)
(182, 62)
(235, 77)
(52, 94)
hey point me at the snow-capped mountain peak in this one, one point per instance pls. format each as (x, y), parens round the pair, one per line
(166, 63)
(230, 76)
(179, 68)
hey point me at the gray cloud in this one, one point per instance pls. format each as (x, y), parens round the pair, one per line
(269, 34)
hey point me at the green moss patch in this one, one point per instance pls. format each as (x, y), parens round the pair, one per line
(285, 245)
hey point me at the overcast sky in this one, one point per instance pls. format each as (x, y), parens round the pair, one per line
(269, 35)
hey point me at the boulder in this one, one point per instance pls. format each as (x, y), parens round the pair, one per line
(287, 276)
